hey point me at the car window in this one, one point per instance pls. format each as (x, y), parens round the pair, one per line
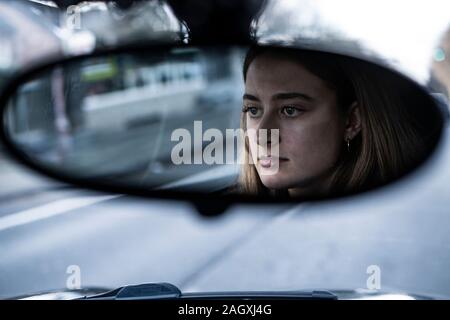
(124, 118)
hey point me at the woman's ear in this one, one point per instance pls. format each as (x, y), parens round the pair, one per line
(353, 122)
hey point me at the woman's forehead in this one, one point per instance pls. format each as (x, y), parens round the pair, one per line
(276, 64)
(272, 74)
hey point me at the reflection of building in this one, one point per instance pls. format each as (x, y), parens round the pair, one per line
(129, 90)
(139, 90)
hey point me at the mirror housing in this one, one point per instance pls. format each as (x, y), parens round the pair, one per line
(152, 55)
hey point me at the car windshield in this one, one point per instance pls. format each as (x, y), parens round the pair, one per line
(55, 237)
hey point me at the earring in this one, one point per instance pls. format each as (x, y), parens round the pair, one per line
(348, 144)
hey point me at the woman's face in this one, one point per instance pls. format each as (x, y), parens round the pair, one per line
(281, 94)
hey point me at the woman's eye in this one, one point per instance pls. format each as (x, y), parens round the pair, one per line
(290, 111)
(254, 111)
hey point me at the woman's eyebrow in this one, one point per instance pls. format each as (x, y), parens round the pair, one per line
(250, 97)
(292, 95)
(282, 96)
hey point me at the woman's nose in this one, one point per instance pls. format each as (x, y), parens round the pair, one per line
(268, 131)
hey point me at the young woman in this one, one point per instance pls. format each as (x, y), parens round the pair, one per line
(343, 125)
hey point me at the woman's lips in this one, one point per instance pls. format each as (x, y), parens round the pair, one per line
(266, 162)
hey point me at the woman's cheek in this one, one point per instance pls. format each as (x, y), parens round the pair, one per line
(312, 146)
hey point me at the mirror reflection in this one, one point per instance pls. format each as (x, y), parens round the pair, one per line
(263, 121)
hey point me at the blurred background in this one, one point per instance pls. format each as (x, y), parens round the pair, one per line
(131, 107)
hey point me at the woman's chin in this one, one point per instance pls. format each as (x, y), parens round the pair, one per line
(273, 182)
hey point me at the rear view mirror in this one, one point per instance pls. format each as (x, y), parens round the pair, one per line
(264, 123)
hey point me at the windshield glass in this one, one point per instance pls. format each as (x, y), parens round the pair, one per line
(58, 238)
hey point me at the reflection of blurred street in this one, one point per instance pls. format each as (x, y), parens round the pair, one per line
(133, 153)
(114, 117)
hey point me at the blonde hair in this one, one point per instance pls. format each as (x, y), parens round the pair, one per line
(397, 131)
